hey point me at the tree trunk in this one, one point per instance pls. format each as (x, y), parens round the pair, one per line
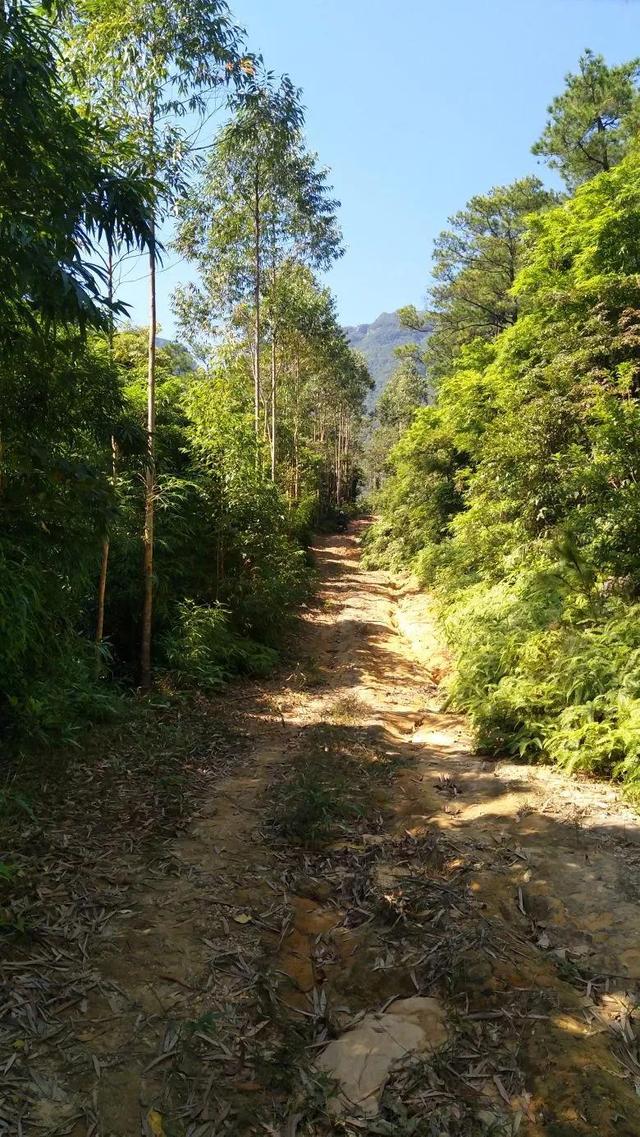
(602, 132)
(150, 477)
(273, 406)
(256, 294)
(102, 592)
(296, 429)
(106, 543)
(104, 566)
(339, 463)
(219, 563)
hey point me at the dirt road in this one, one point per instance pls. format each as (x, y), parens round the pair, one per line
(343, 849)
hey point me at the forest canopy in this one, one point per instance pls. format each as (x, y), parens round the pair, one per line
(156, 497)
(514, 495)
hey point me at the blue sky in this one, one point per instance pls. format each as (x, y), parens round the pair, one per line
(415, 105)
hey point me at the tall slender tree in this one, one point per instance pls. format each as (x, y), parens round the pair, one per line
(149, 65)
(262, 207)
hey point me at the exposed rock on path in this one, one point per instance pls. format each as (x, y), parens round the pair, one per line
(361, 1060)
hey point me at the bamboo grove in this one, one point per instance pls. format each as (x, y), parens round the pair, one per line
(156, 497)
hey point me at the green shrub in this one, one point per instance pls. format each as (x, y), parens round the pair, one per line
(315, 801)
(540, 675)
(516, 498)
(59, 707)
(303, 519)
(49, 688)
(201, 648)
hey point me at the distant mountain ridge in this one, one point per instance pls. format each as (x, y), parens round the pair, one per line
(377, 343)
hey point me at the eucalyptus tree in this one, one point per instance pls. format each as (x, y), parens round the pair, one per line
(262, 207)
(345, 386)
(306, 324)
(315, 367)
(152, 65)
(325, 388)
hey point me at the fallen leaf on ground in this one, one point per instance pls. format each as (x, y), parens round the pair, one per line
(154, 1121)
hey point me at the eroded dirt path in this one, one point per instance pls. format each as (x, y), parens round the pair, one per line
(346, 850)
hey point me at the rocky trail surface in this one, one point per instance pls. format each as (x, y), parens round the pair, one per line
(307, 907)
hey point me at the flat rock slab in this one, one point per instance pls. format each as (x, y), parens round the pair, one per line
(362, 1059)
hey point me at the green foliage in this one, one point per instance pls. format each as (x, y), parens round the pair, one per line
(67, 189)
(105, 468)
(476, 262)
(406, 391)
(593, 121)
(225, 535)
(257, 225)
(538, 573)
(515, 497)
(262, 205)
(200, 648)
(418, 501)
(54, 502)
(63, 702)
(62, 190)
(47, 669)
(73, 439)
(430, 466)
(312, 804)
(144, 66)
(538, 675)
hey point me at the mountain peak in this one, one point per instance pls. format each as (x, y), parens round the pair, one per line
(377, 343)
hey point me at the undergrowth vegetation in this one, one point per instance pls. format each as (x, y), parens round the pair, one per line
(334, 782)
(157, 497)
(514, 497)
(201, 648)
(229, 560)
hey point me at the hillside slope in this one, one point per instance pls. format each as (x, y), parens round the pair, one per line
(378, 341)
